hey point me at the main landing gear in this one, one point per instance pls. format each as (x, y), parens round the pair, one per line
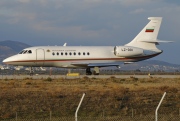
(95, 72)
(88, 71)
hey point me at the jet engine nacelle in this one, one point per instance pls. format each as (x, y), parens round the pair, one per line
(125, 51)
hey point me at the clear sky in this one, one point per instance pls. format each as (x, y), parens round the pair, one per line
(89, 22)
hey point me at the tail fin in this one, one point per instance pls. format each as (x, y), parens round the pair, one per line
(147, 38)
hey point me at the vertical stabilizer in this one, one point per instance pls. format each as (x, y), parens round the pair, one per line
(147, 38)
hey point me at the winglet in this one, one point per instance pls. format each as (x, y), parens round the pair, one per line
(65, 44)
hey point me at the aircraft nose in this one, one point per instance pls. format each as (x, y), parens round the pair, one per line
(9, 60)
(6, 60)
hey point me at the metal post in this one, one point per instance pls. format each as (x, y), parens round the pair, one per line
(103, 118)
(16, 116)
(132, 113)
(50, 71)
(156, 112)
(50, 115)
(79, 106)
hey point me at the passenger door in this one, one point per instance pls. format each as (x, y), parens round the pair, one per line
(40, 56)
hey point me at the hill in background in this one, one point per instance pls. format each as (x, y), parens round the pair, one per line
(151, 65)
(9, 48)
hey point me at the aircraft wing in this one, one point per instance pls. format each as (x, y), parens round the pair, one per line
(91, 65)
(80, 64)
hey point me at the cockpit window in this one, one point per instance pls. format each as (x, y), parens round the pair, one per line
(29, 51)
(24, 51)
(21, 52)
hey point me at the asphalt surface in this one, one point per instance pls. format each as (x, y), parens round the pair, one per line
(81, 76)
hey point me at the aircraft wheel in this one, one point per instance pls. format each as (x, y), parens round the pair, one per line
(88, 71)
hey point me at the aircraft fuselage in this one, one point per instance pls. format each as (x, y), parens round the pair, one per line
(74, 56)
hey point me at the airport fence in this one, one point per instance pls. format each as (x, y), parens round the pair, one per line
(56, 116)
(164, 114)
(115, 118)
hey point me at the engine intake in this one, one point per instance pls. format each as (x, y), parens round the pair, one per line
(125, 51)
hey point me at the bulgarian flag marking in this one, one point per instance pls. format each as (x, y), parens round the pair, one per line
(149, 30)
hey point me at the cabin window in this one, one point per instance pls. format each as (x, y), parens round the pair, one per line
(65, 53)
(84, 53)
(88, 53)
(57, 53)
(79, 53)
(74, 53)
(70, 53)
(53, 53)
(61, 53)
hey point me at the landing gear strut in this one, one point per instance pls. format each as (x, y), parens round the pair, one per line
(88, 71)
(31, 71)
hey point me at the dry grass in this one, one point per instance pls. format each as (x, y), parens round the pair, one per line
(112, 95)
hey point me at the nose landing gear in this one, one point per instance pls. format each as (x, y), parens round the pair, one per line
(31, 71)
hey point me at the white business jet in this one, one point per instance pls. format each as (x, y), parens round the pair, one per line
(142, 47)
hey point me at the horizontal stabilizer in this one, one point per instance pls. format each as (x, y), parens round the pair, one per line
(156, 41)
(164, 41)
